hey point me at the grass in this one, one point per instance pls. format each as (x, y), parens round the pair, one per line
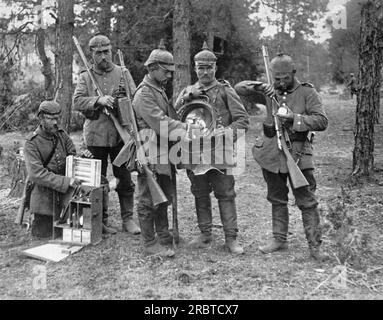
(117, 269)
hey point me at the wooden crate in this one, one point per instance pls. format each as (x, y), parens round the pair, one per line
(81, 221)
(88, 171)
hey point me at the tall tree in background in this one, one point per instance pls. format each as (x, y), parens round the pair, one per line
(181, 45)
(295, 17)
(64, 58)
(368, 98)
(343, 45)
(46, 69)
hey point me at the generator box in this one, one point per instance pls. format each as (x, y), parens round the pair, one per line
(80, 219)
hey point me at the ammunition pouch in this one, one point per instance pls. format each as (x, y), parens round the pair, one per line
(122, 111)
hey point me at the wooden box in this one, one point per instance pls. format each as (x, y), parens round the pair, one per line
(79, 221)
(88, 171)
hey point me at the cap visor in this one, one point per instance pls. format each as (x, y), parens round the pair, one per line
(102, 48)
(169, 67)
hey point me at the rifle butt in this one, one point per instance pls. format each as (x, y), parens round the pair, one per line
(298, 180)
(20, 213)
(158, 196)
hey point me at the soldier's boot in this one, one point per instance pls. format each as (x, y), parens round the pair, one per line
(159, 250)
(201, 241)
(162, 225)
(233, 246)
(205, 223)
(280, 223)
(126, 206)
(311, 224)
(106, 228)
(273, 245)
(228, 213)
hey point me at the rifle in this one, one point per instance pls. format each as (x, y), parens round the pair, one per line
(176, 234)
(25, 203)
(297, 178)
(136, 152)
(124, 134)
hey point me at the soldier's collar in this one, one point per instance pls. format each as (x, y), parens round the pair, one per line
(100, 72)
(206, 88)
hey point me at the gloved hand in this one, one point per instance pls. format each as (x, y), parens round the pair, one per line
(74, 182)
(86, 154)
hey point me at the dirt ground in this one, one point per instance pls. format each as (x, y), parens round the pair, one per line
(117, 269)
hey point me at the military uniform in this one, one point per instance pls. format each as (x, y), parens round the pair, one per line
(50, 180)
(308, 115)
(229, 113)
(100, 134)
(151, 106)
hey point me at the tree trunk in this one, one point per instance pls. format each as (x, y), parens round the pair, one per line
(370, 64)
(181, 45)
(64, 59)
(104, 18)
(46, 69)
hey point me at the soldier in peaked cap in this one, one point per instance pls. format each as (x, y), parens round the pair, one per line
(45, 152)
(303, 112)
(230, 115)
(100, 135)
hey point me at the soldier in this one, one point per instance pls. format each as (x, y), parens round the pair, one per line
(45, 153)
(304, 113)
(100, 134)
(153, 111)
(352, 85)
(230, 114)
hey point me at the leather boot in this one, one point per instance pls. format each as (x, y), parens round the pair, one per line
(130, 226)
(201, 241)
(204, 215)
(280, 222)
(126, 205)
(311, 224)
(233, 246)
(107, 228)
(228, 213)
(273, 245)
(158, 249)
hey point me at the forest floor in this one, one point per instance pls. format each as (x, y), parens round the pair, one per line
(117, 269)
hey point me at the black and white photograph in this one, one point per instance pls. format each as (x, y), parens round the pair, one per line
(193, 155)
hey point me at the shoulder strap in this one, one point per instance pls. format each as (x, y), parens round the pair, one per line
(46, 162)
(223, 93)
